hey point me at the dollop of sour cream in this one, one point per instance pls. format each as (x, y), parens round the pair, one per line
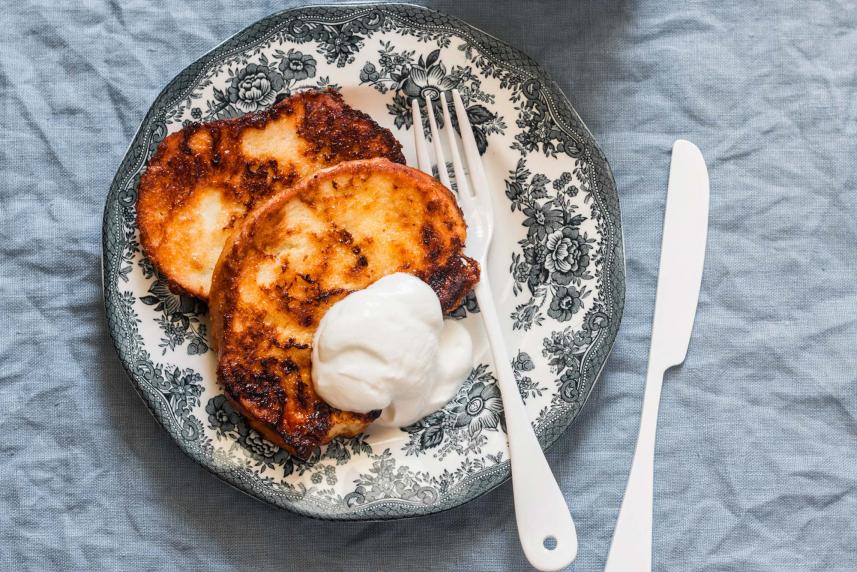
(388, 347)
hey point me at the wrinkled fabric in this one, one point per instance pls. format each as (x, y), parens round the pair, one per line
(756, 463)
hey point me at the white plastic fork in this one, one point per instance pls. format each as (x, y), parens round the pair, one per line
(545, 526)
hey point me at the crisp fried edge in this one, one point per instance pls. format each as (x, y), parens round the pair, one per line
(223, 291)
(150, 193)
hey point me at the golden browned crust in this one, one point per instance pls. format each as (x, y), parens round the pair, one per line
(202, 180)
(293, 257)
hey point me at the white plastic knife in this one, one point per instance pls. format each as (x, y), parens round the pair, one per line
(679, 280)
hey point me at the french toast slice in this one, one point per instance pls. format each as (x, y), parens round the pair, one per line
(202, 180)
(335, 232)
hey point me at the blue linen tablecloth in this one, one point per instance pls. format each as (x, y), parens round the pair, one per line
(757, 446)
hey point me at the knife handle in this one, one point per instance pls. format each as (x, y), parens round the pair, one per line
(631, 549)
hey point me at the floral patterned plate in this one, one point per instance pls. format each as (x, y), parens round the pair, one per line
(557, 263)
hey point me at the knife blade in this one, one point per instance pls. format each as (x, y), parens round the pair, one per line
(679, 282)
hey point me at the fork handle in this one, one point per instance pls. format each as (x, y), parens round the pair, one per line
(540, 508)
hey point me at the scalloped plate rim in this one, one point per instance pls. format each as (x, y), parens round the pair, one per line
(503, 467)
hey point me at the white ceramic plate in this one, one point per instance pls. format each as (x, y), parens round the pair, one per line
(557, 262)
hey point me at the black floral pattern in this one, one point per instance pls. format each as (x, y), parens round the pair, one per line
(340, 46)
(523, 362)
(254, 87)
(555, 256)
(221, 415)
(259, 84)
(540, 131)
(542, 220)
(482, 409)
(562, 349)
(369, 73)
(566, 349)
(228, 423)
(259, 446)
(185, 389)
(180, 317)
(460, 425)
(468, 306)
(387, 480)
(338, 42)
(296, 66)
(566, 303)
(533, 266)
(424, 80)
(527, 387)
(428, 79)
(567, 254)
(568, 389)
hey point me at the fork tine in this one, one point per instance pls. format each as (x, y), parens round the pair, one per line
(457, 165)
(423, 161)
(443, 173)
(471, 151)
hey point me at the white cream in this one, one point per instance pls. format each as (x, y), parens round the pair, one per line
(388, 347)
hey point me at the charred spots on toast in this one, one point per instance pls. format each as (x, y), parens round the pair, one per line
(320, 418)
(428, 235)
(432, 242)
(201, 166)
(184, 141)
(283, 435)
(257, 182)
(346, 239)
(307, 311)
(279, 178)
(180, 171)
(301, 298)
(269, 371)
(288, 366)
(338, 132)
(344, 236)
(323, 296)
(284, 105)
(289, 344)
(258, 390)
(301, 395)
(259, 119)
(301, 446)
(303, 440)
(452, 281)
(216, 136)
